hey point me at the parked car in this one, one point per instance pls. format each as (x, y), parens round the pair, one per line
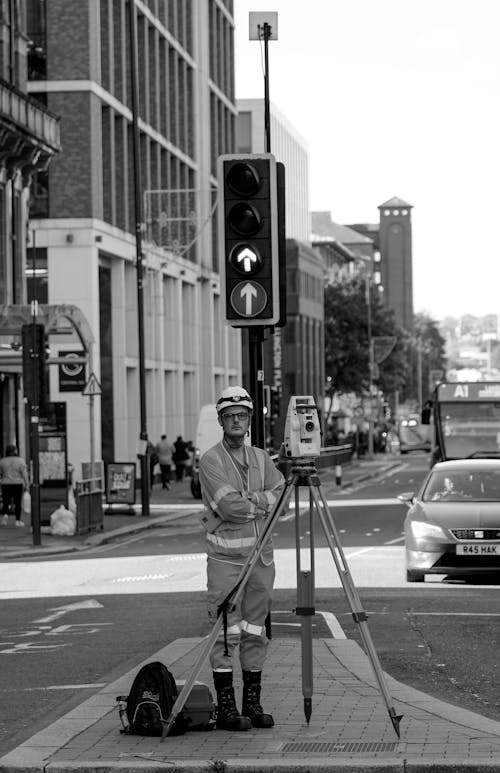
(452, 526)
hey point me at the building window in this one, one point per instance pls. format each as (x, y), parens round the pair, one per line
(37, 275)
(37, 40)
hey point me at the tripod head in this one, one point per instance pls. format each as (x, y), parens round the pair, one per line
(302, 429)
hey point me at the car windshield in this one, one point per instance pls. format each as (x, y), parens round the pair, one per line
(459, 486)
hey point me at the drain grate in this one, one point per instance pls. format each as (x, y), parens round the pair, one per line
(331, 747)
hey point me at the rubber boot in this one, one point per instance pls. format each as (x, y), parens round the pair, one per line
(251, 700)
(228, 717)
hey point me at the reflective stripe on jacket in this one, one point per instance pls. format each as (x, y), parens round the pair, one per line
(233, 515)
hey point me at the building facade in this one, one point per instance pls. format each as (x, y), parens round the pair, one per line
(87, 218)
(29, 140)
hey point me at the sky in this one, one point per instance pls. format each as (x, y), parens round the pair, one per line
(396, 98)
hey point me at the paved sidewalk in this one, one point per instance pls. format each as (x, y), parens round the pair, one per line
(349, 730)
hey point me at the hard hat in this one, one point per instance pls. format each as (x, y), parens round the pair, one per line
(235, 395)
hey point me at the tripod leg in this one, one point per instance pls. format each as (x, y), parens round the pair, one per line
(233, 596)
(305, 603)
(358, 613)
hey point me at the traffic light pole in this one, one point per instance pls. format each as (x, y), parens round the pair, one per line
(256, 370)
(256, 335)
(34, 406)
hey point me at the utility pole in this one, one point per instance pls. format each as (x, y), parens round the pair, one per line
(263, 27)
(371, 363)
(143, 437)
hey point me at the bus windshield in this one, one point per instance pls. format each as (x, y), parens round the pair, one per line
(469, 427)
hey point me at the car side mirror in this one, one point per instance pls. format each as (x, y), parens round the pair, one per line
(407, 497)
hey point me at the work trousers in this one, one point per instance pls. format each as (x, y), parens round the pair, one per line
(246, 623)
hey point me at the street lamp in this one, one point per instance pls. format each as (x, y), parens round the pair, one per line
(371, 362)
(134, 76)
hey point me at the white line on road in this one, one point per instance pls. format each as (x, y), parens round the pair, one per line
(458, 614)
(96, 686)
(60, 611)
(334, 625)
(395, 541)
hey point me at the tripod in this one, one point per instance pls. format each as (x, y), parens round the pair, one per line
(303, 474)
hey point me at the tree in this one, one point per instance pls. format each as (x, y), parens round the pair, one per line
(426, 354)
(346, 340)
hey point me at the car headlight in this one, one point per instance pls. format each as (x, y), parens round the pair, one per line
(423, 530)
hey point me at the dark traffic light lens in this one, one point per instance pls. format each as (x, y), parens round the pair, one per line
(243, 179)
(244, 219)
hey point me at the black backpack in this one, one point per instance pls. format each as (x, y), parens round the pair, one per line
(147, 707)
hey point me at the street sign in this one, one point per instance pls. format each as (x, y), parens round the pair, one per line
(71, 374)
(92, 387)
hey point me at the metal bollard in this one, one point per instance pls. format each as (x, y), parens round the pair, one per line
(338, 474)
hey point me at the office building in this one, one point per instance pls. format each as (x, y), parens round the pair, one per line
(88, 211)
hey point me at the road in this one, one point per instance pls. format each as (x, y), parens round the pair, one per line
(71, 625)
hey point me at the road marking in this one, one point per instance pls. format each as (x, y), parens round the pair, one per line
(329, 618)
(334, 625)
(363, 502)
(60, 611)
(458, 614)
(96, 686)
(27, 648)
(143, 577)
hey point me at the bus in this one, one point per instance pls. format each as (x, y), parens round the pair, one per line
(466, 418)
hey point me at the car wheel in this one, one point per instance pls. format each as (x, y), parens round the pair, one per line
(414, 576)
(195, 489)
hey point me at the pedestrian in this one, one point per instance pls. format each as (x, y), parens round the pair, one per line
(152, 452)
(180, 457)
(165, 451)
(239, 484)
(14, 480)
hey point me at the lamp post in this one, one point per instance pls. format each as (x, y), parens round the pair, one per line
(143, 437)
(371, 363)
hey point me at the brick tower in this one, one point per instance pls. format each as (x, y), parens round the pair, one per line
(396, 258)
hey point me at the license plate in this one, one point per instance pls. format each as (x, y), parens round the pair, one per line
(478, 550)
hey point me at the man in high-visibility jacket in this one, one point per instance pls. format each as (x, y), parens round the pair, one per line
(239, 485)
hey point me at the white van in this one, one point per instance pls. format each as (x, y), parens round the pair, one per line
(208, 433)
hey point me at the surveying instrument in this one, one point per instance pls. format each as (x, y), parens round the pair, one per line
(302, 444)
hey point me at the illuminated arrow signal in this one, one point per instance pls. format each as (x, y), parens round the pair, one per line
(249, 299)
(248, 292)
(246, 259)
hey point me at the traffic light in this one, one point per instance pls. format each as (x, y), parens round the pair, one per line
(248, 238)
(35, 375)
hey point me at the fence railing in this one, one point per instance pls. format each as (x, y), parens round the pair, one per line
(89, 510)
